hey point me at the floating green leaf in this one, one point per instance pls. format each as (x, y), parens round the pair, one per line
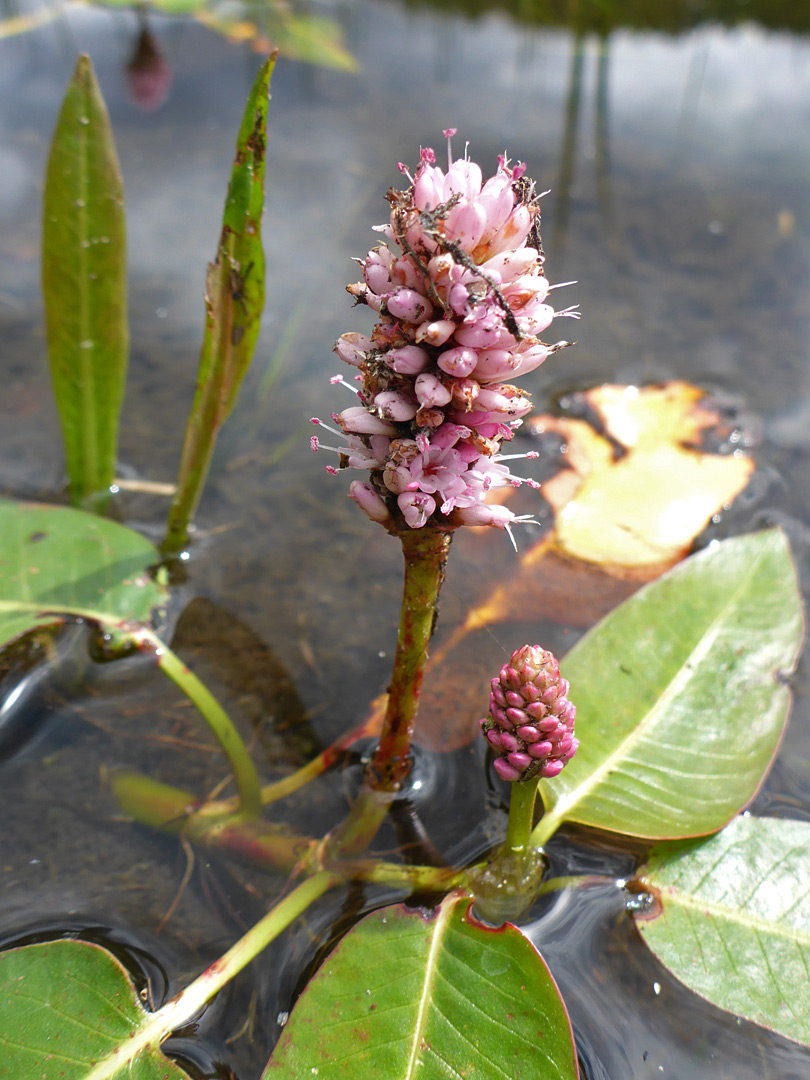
(234, 302)
(733, 920)
(84, 286)
(57, 563)
(680, 695)
(68, 1011)
(407, 996)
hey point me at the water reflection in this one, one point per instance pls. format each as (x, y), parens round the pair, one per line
(680, 203)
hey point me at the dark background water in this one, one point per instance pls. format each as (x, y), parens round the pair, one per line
(678, 167)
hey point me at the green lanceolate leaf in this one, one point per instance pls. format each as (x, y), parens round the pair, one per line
(84, 286)
(407, 996)
(680, 695)
(233, 303)
(732, 920)
(57, 563)
(66, 1007)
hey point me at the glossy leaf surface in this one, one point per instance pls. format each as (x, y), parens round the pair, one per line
(65, 1006)
(733, 920)
(56, 562)
(680, 695)
(84, 285)
(404, 996)
(233, 306)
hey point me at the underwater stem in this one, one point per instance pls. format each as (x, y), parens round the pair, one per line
(181, 1009)
(227, 736)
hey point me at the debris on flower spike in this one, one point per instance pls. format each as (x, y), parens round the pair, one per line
(461, 297)
(531, 721)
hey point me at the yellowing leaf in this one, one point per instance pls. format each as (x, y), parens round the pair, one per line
(635, 496)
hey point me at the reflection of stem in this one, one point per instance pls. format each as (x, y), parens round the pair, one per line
(215, 716)
(602, 139)
(565, 176)
(188, 1002)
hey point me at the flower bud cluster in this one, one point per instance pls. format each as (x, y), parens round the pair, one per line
(461, 296)
(531, 721)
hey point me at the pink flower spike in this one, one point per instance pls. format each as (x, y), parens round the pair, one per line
(531, 672)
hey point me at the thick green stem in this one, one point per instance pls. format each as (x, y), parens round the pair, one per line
(183, 1008)
(425, 552)
(244, 772)
(521, 815)
(160, 806)
(271, 847)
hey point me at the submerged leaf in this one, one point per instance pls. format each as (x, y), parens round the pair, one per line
(84, 285)
(65, 1007)
(407, 996)
(732, 920)
(57, 563)
(681, 697)
(635, 496)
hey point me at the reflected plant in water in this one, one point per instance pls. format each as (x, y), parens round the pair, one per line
(678, 710)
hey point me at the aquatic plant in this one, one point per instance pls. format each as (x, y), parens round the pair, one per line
(462, 300)
(680, 692)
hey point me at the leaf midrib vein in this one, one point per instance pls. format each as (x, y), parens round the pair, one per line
(684, 674)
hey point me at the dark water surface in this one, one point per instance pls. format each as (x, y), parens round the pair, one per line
(679, 170)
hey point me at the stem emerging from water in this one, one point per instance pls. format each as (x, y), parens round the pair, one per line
(521, 815)
(425, 552)
(181, 1009)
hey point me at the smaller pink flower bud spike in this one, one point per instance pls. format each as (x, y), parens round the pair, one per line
(531, 720)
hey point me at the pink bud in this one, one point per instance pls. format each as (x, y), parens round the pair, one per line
(369, 501)
(353, 348)
(484, 514)
(376, 270)
(435, 333)
(407, 304)
(505, 770)
(359, 421)
(408, 360)
(459, 362)
(396, 405)
(430, 391)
